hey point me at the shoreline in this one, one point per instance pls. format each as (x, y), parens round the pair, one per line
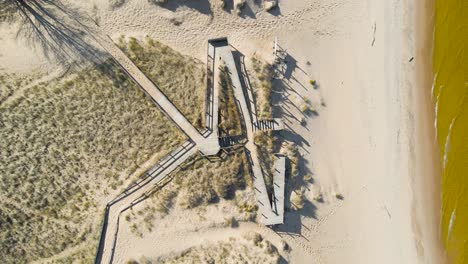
(428, 179)
(372, 140)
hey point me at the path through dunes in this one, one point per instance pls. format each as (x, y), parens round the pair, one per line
(135, 194)
(207, 145)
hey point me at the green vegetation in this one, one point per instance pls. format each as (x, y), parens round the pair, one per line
(262, 84)
(181, 78)
(62, 145)
(229, 123)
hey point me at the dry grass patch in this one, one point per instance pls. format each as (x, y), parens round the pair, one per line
(181, 78)
(10, 82)
(235, 250)
(262, 85)
(65, 144)
(196, 184)
(203, 182)
(230, 123)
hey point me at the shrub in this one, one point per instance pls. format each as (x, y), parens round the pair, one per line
(298, 199)
(319, 197)
(256, 238)
(307, 177)
(231, 222)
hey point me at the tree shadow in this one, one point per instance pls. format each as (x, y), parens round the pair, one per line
(65, 36)
(62, 32)
(202, 6)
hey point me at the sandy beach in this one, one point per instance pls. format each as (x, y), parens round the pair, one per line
(372, 139)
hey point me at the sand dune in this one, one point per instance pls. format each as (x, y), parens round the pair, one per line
(370, 139)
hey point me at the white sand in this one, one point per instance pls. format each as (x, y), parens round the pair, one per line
(370, 142)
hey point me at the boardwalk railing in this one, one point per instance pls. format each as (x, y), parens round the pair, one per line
(145, 179)
(155, 170)
(209, 102)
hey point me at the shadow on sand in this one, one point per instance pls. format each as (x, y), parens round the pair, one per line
(63, 33)
(202, 6)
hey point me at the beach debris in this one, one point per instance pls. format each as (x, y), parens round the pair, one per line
(410, 60)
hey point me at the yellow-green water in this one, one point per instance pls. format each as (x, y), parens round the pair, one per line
(451, 94)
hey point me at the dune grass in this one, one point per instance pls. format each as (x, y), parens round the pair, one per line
(64, 145)
(181, 78)
(262, 84)
(197, 183)
(203, 182)
(10, 82)
(234, 250)
(229, 123)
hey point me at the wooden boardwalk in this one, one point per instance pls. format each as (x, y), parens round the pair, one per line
(279, 181)
(224, 54)
(134, 194)
(207, 145)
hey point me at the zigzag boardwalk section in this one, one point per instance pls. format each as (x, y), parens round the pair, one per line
(206, 143)
(224, 54)
(134, 194)
(208, 146)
